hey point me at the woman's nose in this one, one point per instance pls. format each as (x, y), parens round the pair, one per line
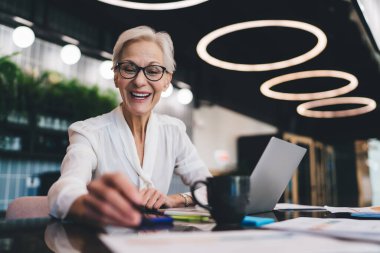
(140, 79)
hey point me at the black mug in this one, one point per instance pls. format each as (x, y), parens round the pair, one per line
(227, 198)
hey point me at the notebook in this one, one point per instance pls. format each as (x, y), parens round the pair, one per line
(272, 174)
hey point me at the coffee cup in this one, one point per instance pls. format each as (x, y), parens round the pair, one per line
(227, 197)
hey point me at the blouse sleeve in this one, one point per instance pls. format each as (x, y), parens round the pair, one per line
(188, 163)
(76, 172)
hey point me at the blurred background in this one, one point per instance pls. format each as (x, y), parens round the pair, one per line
(55, 69)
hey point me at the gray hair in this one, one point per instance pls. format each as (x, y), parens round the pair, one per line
(162, 39)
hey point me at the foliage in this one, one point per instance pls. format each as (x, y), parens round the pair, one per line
(10, 76)
(50, 94)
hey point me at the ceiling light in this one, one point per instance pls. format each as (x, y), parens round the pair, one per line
(105, 69)
(154, 6)
(106, 55)
(266, 86)
(168, 91)
(183, 85)
(69, 40)
(304, 109)
(206, 40)
(370, 16)
(22, 21)
(70, 54)
(23, 36)
(184, 96)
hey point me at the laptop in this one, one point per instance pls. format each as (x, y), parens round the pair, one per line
(272, 174)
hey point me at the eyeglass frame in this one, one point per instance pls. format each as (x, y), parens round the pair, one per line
(139, 69)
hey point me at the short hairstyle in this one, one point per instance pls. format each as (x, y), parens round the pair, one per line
(162, 39)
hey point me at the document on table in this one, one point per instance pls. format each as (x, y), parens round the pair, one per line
(370, 209)
(365, 230)
(289, 206)
(187, 211)
(231, 241)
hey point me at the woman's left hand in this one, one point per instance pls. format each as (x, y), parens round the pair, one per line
(154, 199)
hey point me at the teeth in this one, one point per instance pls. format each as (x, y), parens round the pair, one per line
(140, 95)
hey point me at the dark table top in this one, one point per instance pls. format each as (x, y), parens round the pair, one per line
(48, 235)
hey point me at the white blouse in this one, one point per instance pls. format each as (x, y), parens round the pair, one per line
(105, 144)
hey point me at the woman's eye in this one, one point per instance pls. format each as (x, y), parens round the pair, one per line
(153, 70)
(129, 69)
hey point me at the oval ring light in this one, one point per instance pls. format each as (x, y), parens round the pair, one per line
(153, 6)
(304, 109)
(316, 50)
(266, 86)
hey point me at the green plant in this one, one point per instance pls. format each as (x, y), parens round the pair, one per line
(73, 99)
(10, 76)
(50, 94)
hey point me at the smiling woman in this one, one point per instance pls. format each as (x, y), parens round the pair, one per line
(125, 159)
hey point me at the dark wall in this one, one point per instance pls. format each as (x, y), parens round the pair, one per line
(249, 150)
(347, 186)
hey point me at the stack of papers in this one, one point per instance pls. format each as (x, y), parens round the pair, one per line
(231, 241)
(371, 209)
(357, 212)
(187, 211)
(188, 214)
(288, 206)
(364, 230)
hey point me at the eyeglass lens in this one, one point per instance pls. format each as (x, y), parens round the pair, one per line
(130, 70)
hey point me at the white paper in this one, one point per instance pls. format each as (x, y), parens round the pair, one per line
(288, 206)
(232, 241)
(352, 209)
(365, 230)
(192, 226)
(186, 211)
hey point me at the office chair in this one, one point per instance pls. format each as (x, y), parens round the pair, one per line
(28, 207)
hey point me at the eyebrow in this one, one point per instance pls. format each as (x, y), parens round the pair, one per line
(150, 63)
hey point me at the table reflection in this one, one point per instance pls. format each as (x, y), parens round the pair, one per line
(47, 235)
(61, 237)
(70, 237)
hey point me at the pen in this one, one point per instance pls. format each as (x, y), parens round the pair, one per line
(144, 210)
(159, 219)
(156, 221)
(190, 218)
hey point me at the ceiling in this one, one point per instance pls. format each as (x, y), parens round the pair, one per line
(348, 49)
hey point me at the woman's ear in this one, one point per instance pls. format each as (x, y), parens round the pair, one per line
(168, 80)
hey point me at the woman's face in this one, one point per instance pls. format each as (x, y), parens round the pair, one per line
(139, 94)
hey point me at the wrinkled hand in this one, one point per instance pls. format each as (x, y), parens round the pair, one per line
(110, 201)
(154, 199)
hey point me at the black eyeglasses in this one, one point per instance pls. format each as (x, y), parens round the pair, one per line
(129, 70)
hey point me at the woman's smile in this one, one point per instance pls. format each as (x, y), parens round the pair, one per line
(140, 96)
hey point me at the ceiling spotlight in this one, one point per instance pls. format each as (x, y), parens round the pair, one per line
(266, 86)
(304, 109)
(154, 6)
(183, 85)
(22, 21)
(168, 91)
(23, 36)
(70, 54)
(106, 55)
(69, 40)
(105, 69)
(184, 96)
(316, 50)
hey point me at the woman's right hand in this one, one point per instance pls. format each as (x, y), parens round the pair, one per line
(111, 200)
